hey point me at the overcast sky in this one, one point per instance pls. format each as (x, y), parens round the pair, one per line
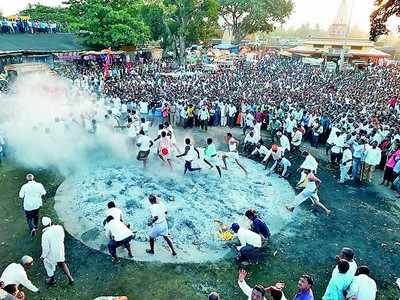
(313, 11)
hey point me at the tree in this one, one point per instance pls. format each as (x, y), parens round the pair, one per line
(179, 22)
(59, 15)
(379, 17)
(245, 17)
(110, 23)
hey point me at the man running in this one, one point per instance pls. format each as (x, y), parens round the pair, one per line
(164, 148)
(158, 223)
(211, 155)
(144, 143)
(310, 191)
(233, 152)
(190, 156)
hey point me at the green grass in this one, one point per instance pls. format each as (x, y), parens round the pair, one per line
(311, 250)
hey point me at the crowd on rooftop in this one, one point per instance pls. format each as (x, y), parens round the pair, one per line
(13, 26)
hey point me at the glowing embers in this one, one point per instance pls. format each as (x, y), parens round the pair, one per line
(194, 201)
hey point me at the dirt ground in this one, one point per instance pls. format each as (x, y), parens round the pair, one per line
(363, 218)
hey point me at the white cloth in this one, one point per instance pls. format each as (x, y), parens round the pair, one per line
(232, 145)
(347, 158)
(53, 250)
(117, 230)
(249, 120)
(250, 139)
(144, 107)
(285, 144)
(115, 212)
(248, 237)
(32, 193)
(263, 151)
(257, 131)
(373, 156)
(16, 274)
(310, 163)
(144, 143)
(158, 210)
(363, 287)
(297, 138)
(338, 143)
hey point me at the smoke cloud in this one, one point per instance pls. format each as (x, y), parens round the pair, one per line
(46, 122)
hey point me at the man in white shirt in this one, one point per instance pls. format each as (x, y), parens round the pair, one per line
(158, 223)
(372, 158)
(119, 235)
(347, 160)
(337, 147)
(32, 193)
(144, 143)
(249, 242)
(53, 250)
(16, 274)
(263, 152)
(282, 162)
(204, 117)
(248, 122)
(363, 286)
(231, 114)
(224, 112)
(283, 141)
(143, 107)
(297, 139)
(249, 143)
(113, 211)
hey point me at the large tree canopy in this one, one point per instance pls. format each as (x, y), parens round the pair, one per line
(245, 17)
(106, 23)
(180, 22)
(384, 10)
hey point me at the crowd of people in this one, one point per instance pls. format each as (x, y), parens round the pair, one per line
(19, 25)
(354, 114)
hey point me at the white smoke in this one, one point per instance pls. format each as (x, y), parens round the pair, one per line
(43, 124)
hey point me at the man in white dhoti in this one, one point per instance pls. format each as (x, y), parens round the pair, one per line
(345, 164)
(53, 250)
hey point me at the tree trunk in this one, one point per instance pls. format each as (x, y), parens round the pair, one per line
(182, 50)
(237, 36)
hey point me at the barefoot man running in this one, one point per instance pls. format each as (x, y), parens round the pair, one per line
(310, 191)
(233, 152)
(164, 148)
(191, 153)
(211, 156)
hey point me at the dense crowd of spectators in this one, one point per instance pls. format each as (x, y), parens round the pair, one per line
(354, 109)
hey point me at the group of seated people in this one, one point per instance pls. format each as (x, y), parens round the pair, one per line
(27, 26)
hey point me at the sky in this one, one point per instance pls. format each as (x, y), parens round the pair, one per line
(312, 11)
